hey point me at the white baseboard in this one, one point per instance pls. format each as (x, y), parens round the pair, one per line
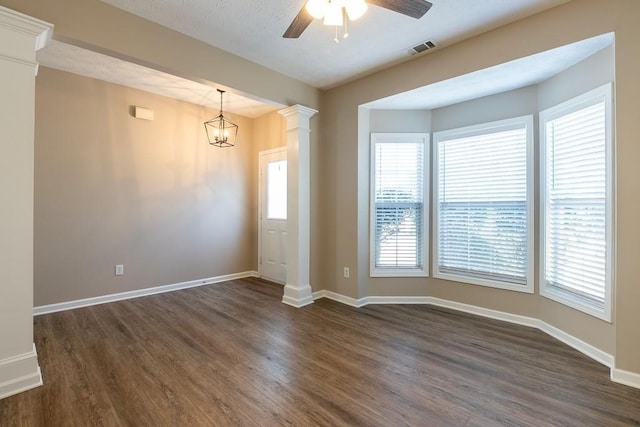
(625, 377)
(617, 375)
(334, 296)
(19, 373)
(583, 347)
(395, 300)
(486, 312)
(86, 302)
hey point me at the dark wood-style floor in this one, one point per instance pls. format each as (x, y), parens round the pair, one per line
(233, 354)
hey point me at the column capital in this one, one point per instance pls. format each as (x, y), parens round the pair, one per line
(17, 22)
(297, 115)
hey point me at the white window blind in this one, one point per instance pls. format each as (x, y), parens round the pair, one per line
(575, 193)
(483, 215)
(398, 208)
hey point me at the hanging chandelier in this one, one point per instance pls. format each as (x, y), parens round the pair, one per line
(221, 131)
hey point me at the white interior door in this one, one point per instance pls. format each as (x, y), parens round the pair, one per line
(273, 215)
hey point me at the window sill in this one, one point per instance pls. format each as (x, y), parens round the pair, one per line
(486, 283)
(398, 273)
(565, 298)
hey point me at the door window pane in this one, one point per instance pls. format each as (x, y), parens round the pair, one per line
(277, 190)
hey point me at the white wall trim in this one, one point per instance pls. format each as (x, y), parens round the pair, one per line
(86, 302)
(334, 296)
(395, 300)
(486, 312)
(585, 348)
(19, 373)
(617, 375)
(625, 377)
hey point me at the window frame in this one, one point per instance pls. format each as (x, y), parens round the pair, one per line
(482, 129)
(585, 100)
(425, 139)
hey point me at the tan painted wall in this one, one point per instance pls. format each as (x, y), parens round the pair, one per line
(152, 195)
(565, 24)
(269, 132)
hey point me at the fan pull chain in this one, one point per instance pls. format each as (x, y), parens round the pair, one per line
(345, 19)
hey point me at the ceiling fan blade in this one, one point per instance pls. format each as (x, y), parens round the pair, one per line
(413, 8)
(299, 24)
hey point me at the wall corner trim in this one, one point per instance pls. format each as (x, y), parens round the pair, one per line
(86, 302)
(22, 371)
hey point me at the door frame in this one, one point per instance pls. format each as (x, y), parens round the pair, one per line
(261, 165)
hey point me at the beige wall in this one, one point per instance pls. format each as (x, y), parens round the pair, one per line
(389, 121)
(343, 140)
(152, 195)
(515, 103)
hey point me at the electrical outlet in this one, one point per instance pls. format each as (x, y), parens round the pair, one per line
(119, 270)
(346, 272)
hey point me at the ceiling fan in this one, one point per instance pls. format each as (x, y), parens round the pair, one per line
(335, 12)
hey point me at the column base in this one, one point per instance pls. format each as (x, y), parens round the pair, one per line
(297, 296)
(19, 373)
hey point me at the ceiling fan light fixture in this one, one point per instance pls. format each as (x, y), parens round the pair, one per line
(333, 14)
(355, 8)
(317, 8)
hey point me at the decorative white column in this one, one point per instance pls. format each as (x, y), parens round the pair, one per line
(297, 291)
(20, 37)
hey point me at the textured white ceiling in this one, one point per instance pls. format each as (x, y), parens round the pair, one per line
(253, 29)
(73, 59)
(500, 78)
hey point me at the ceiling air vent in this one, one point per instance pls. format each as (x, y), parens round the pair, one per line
(425, 46)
